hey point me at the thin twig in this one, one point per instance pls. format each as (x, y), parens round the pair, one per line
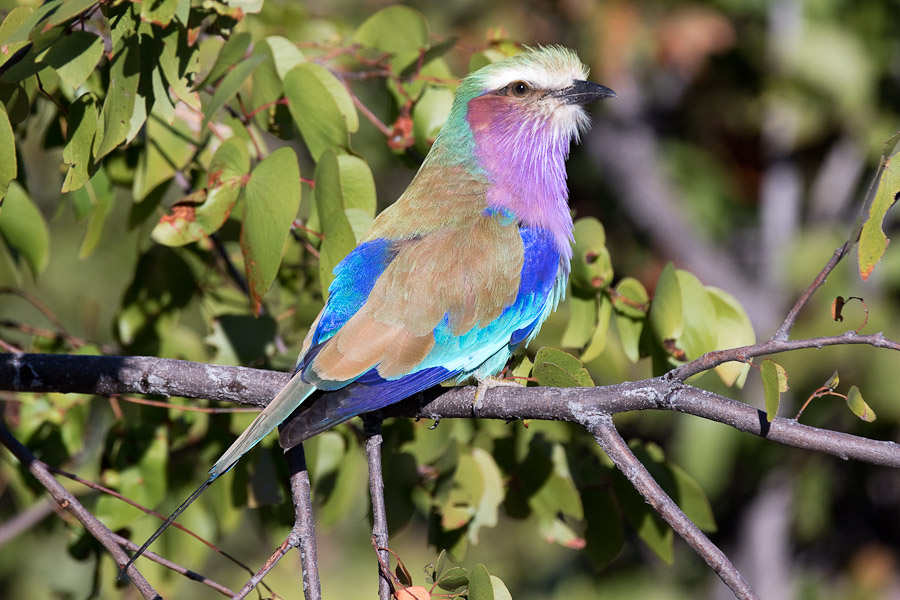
(192, 575)
(615, 447)
(302, 534)
(776, 346)
(68, 501)
(785, 329)
(372, 424)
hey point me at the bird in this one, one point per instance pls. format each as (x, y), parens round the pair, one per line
(462, 269)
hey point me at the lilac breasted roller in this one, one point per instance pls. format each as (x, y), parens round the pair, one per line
(464, 267)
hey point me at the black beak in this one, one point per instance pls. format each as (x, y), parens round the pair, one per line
(585, 92)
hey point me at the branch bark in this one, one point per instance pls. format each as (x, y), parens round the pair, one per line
(604, 431)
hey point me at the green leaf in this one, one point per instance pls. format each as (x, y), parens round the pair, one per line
(453, 579)
(429, 114)
(230, 85)
(832, 382)
(699, 334)
(119, 104)
(486, 508)
(321, 107)
(74, 56)
(69, 10)
(395, 29)
(666, 313)
(204, 212)
(597, 343)
(12, 25)
(281, 56)
(872, 241)
(591, 263)
(335, 180)
(169, 148)
(555, 368)
(158, 12)
(484, 586)
(100, 194)
(652, 530)
(774, 380)
(271, 203)
(8, 166)
(604, 535)
(582, 320)
(82, 126)
(630, 319)
(733, 330)
(858, 406)
(691, 498)
(23, 227)
(230, 54)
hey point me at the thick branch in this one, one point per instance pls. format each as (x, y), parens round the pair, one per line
(52, 373)
(603, 429)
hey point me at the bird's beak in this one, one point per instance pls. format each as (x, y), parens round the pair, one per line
(585, 92)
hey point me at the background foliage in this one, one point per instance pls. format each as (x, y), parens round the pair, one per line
(156, 153)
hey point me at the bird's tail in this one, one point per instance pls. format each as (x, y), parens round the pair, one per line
(279, 409)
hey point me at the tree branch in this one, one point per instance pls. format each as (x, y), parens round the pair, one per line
(64, 373)
(68, 501)
(302, 534)
(372, 425)
(603, 429)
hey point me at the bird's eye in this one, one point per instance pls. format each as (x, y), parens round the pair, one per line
(519, 88)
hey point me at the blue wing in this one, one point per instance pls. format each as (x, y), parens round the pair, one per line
(482, 351)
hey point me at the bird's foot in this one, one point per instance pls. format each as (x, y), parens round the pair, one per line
(488, 383)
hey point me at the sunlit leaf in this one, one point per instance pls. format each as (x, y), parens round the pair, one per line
(582, 320)
(774, 380)
(733, 330)
(858, 406)
(631, 315)
(230, 84)
(591, 263)
(666, 312)
(395, 29)
(272, 198)
(699, 333)
(555, 368)
(832, 382)
(205, 211)
(8, 168)
(331, 194)
(872, 241)
(321, 107)
(159, 12)
(597, 343)
(230, 54)
(119, 104)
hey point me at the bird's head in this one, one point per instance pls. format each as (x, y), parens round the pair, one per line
(546, 88)
(512, 122)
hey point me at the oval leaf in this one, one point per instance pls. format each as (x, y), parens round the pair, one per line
(774, 380)
(321, 107)
(272, 198)
(858, 406)
(23, 227)
(872, 241)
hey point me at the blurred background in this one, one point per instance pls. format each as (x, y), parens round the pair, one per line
(740, 147)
